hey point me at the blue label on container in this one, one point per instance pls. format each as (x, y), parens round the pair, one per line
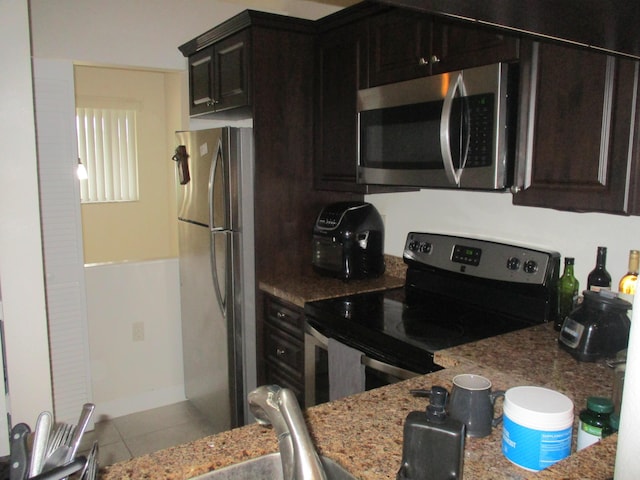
(534, 449)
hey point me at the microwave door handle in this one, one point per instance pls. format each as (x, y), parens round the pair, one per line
(452, 174)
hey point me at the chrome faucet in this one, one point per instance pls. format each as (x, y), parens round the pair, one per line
(271, 404)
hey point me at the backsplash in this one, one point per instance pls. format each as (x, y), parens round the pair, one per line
(395, 266)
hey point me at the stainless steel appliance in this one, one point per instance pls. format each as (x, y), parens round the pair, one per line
(215, 228)
(348, 241)
(454, 130)
(457, 290)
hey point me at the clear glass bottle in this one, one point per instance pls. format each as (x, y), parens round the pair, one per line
(628, 282)
(599, 278)
(568, 287)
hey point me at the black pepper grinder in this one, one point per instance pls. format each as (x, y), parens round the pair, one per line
(433, 443)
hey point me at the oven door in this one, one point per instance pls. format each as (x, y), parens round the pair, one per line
(316, 365)
(442, 131)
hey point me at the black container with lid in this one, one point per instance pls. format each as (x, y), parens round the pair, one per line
(598, 328)
(433, 442)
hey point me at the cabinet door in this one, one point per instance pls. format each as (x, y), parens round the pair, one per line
(232, 64)
(201, 87)
(274, 376)
(285, 317)
(576, 112)
(283, 345)
(219, 75)
(284, 352)
(399, 47)
(340, 70)
(456, 46)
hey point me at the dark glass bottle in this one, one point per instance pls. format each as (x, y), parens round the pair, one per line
(594, 421)
(599, 278)
(568, 287)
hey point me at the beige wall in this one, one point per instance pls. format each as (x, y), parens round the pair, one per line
(145, 229)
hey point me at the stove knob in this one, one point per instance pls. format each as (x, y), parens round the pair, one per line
(530, 266)
(513, 263)
(424, 247)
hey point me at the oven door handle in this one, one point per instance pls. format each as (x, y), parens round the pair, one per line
(377, 365)
(383, 367)
(317, 336)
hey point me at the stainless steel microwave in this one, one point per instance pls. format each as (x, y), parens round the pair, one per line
(454, 130)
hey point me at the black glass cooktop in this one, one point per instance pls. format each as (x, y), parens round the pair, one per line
(385, 325)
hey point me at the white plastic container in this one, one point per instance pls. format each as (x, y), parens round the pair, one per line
(537, 427)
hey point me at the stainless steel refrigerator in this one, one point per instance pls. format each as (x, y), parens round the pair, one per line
(217, 279)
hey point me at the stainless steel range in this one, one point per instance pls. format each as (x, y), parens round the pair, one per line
(457, 290)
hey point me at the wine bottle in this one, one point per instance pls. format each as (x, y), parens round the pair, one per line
(599, 278)
(568, 287)
(627, 285)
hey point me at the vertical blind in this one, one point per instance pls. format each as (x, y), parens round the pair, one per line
(107, 148)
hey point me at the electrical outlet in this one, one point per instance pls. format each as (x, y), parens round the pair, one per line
(138, 331)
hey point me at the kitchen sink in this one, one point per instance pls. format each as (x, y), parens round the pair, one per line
(269, 467)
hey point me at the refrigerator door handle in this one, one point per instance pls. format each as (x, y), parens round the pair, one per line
(219, 191)
(218, 173)
(222, 300)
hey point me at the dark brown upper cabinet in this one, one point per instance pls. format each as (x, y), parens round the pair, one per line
(405, 45)
(219, 75)
(457, 46)
(400, 47)
(578, 111)
(342, 65)
(341, 70)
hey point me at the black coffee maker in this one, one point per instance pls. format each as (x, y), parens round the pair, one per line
(348, 241)
(598, 328)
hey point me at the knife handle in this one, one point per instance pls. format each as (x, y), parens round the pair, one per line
(19, 463)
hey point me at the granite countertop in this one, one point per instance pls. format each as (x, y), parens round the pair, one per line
(533, 354)
(298, 291)
(364, 432)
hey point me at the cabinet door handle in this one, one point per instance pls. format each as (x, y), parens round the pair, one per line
(281, 315)
(280, 352)
(429, 61)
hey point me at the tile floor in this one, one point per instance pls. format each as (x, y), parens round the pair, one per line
(133, 435)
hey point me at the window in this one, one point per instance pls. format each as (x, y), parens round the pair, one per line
(107, 148)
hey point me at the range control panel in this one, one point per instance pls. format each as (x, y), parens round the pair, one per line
(481, 258)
